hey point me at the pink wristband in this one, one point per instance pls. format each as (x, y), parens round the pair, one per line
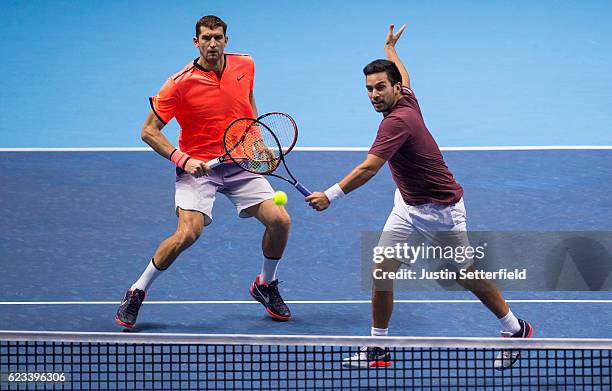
(179, 158)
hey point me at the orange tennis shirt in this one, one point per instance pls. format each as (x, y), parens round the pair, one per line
(204, 105)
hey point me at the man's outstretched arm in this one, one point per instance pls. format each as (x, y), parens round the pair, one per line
(392, 54)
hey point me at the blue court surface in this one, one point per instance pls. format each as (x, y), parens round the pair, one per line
(79, 227)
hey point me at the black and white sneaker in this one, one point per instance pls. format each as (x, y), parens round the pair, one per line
(369, 357)
(268, 295)
(506, 358)
(128, 309)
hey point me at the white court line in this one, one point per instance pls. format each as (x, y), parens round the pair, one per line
(562, 301)
(332, 149)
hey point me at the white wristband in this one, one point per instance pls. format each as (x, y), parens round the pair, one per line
(334, 192)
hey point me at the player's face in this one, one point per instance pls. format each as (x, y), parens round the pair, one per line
(382, 94)
(211, 43)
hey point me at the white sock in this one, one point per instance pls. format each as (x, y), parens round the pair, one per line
(147, 277)
(379, 332)
(510, 323)
(268, 270)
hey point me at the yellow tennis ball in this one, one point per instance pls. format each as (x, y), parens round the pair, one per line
(280, 198)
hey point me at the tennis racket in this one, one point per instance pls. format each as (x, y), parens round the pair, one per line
(236, 133)
(259, 145)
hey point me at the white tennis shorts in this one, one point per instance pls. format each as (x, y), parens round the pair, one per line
(244, 189)
(428, 224)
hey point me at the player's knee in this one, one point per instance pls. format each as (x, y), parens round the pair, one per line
(186, 237)
(487, 287)
(280, 222)
(473, 285)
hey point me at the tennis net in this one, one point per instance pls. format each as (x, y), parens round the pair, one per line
(59, 360)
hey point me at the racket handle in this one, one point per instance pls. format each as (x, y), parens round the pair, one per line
(214, 163)
(302, 189)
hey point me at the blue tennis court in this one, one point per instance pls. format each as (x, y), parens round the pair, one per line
(82, 235)
(69, 258)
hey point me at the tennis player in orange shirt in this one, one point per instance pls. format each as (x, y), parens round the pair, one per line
(204, 97)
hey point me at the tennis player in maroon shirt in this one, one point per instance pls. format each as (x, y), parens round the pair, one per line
(427, 199)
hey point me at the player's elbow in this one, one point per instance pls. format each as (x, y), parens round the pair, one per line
(371, 172)
(147, 134)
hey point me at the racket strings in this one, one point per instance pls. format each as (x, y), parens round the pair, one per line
(283, 127)
(262, 151)
(252, 146)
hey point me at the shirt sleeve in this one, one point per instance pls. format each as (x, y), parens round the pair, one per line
(392, 134)
(165, 103)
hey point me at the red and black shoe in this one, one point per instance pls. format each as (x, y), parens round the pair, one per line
(369, 357)
(506, 358)
(128, 309)
(268, 295)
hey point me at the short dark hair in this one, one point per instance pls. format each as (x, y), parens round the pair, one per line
(377, 66)
(212, 22)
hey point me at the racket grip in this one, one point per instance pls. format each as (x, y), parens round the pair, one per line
(214, 163)
(302, 189)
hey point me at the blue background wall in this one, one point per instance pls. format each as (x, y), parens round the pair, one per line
(78, 74)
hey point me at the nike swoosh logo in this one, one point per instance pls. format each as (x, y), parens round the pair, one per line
(265, 297)
(239, 78)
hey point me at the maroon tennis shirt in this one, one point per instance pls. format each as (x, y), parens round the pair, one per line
(415, 160)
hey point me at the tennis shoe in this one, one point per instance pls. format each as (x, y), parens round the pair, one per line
(128, 309)
(270, 298)
(369, 357)
(507, 358)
